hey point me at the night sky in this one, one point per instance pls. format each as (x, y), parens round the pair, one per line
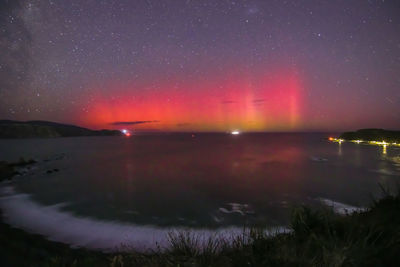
(209, 65)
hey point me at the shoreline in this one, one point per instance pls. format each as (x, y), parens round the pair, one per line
(21, 212)
(353, 236)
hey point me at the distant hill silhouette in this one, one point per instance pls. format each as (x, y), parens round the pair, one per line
(372, 135)
(43, 129)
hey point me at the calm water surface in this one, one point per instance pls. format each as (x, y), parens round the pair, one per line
(211, 181)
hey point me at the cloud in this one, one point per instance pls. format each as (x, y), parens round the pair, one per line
(131, 122)
(258, 100)
(228, 102)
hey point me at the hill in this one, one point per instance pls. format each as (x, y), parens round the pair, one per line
(45, 129)
(372, 135)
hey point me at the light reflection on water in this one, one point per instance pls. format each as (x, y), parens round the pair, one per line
(178, 180)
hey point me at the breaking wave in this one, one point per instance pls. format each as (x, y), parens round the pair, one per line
(20, 211)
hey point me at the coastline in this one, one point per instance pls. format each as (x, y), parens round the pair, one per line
(317, 237)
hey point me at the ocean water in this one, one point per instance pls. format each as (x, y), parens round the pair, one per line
(104, 192)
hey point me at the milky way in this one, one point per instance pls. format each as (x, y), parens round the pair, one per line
(202, 65)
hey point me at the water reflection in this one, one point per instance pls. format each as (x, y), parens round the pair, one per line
(340, 148)
(179, 180)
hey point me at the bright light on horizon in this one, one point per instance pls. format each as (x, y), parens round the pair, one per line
(235, 132)
(126, 132)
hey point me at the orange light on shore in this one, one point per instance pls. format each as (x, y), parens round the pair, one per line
(331, 138)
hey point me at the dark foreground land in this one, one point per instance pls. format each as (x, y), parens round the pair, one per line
(372, 135)
(318, 238)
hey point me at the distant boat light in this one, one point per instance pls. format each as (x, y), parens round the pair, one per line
(126, 132)
(235, 132)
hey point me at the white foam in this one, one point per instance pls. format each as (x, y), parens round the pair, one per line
(242, 209)
(223, 210)
(20, 211)
(341, 208)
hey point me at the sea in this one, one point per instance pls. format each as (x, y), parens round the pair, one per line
(111, 193)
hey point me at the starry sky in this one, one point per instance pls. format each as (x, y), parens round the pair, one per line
(209, 65)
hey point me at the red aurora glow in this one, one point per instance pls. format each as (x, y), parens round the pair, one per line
(272, 102)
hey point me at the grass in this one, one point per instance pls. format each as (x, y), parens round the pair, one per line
(318, 238)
